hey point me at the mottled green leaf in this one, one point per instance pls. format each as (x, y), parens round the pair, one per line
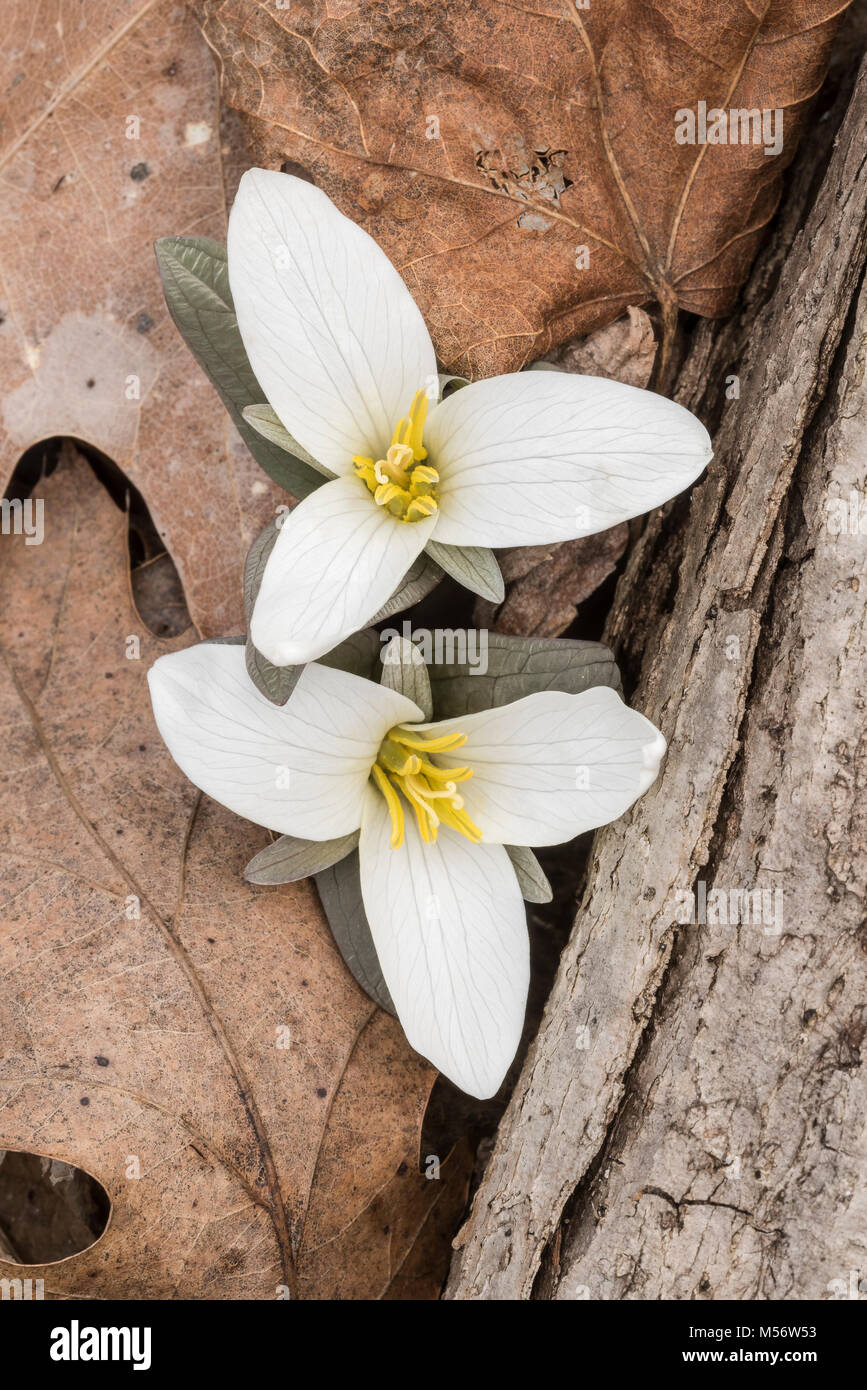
(288, 859)
(265, 421)
(420, 578)
(532, 881)
(276, 683)
(404, 670)
(511, 667)
(449, 384)
(195, 279)
(471, 565)
(340, 891)
(358, 655)
(254, 565)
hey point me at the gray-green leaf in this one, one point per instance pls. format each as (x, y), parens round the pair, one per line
(422, 576)
(276, 683)
(505, 669)
(357, 654)
(533, 883)
(254, 565)
(446, 380)
(404, 670)
(195, 279)
(265, 421)
(340, 892)
(288, 859)
(471, 565)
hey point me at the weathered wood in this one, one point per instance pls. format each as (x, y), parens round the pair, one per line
(672, 1057)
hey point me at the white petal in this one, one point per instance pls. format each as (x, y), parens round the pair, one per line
(330, 329)
(545, 456)
(450, 930)
(337, 559)
(550, 766)
(300, 769)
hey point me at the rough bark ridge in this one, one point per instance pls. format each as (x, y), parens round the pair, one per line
(688, 1121)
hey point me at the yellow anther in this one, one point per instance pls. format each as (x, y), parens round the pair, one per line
(400, 481)
(443, 744)
(431, 791)
(419, 508)
(458, 819)
(396, 759)
(388, 493)
(444, 774)
(409, 429)
(392, 801)
(394, 467)
(424, 478)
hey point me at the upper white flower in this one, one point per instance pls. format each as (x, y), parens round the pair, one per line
(343, 356)
(435, 802)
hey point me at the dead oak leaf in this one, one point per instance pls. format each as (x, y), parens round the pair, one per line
(518, 162)
(193, 1042)
(110, 137)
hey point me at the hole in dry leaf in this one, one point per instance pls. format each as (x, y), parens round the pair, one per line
(155, 583)
(291, 166)
(525, 173)
(49, 1210)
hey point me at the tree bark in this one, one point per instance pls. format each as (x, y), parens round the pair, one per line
(689, 1121)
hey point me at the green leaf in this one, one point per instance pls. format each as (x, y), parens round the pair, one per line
(455, 382)
(288, 859)
(420, 578)
(276, 683)
(542, 367)
(358, 654)
(254, 565)
(265, 421)
(195, 277)
(340, 892)
(404, 670)
(471, 565)
(511, 667)
(534, 886)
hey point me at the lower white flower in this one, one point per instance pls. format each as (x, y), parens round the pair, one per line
(435, 803)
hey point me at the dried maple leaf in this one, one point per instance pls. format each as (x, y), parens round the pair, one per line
(193, 1042)
(519, 162)
(110, 138)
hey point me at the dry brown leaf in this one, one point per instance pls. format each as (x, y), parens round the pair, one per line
(622, 351)
(83, 309)
(146, 985)
(484, 144)
(545, 584)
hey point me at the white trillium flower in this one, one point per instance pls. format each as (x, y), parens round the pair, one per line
(343, 356)
(435, 803)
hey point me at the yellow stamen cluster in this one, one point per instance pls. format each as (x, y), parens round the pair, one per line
(402, 481)
(404, 767)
